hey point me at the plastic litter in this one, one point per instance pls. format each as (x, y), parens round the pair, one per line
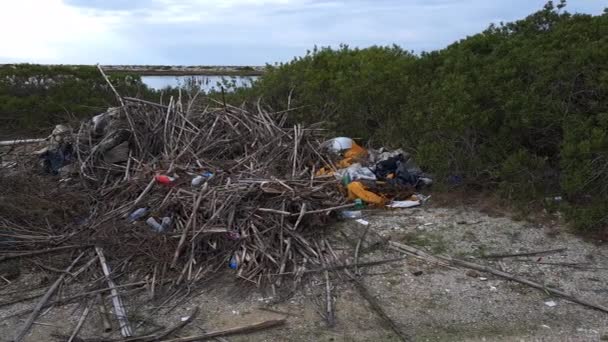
(403, 204)
(359, 204)
(198, 180)
(166, 180)
(339, 144)
(159, 227)
(363, 222)
(233, 263)
(151, 221)
(137, 214)
(352, 214)
(550, 303)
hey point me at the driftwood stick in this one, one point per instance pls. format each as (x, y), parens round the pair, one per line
(331, 317)
(39, 252)
(362, 264)
(141, 196)
(508, 276)
(119, 309)
(370, 299)
(103, 313)
(358, 247)
(84, 315)
(327, 209)
(547, 252)
(132, 99)
(232, 331)
(122, 103)
(28, 323)
(528, 282)
(364, 292)
(22, 141)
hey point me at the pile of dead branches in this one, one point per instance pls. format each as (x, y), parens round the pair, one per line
(258, 210)
(217, 189)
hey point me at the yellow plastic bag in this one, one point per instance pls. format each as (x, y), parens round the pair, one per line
(354, 154)
(357, 190)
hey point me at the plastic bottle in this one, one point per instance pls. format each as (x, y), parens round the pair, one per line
(198, 180)
(157, 227)
(233, 263)
(137, 214)
(166, 223)
(166, 180)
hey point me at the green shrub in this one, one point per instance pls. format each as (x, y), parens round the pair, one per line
(519, 108)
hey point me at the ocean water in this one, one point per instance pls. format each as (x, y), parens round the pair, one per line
(207, 83)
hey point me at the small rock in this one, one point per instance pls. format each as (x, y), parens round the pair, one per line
(473, 274)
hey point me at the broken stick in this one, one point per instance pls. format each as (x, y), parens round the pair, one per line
(30, 320)
(119, 309)
(505, 275)
(232, 331)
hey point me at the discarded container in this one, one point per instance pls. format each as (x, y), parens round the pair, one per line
(346, 179)
(233, 263)
(352, 214)
(165, 224)
(234, 235)
(198, 180)
(137, 214)
(166, 180)
(162, 227)
(359, 204)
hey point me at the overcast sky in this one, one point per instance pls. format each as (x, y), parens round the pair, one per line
(239, 32)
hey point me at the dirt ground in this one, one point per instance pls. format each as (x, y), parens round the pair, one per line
(428, 302)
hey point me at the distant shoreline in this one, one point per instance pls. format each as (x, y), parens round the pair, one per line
(174, 70)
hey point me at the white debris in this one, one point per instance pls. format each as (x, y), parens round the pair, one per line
(550, 303)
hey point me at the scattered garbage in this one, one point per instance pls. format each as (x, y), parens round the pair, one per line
(350, 214)
(363, 222)
(138, 214)
(165, 180)
(403, 204)
(59, 151)
(198, 180)
(162, 227)
(550, 303)
(233, 263)
(229, 184)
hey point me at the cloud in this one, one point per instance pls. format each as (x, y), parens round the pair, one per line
(239, 31)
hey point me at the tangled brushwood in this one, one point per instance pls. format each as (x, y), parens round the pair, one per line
(185, 192)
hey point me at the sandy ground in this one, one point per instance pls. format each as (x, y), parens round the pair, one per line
(428, 302)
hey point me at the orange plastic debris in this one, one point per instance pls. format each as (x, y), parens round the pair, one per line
(356, 151)
(357, 190)
(351, 156)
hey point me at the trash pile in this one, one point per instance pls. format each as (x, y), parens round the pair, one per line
(193, 191)
(223, 186)
(177, 193)
(376, 177)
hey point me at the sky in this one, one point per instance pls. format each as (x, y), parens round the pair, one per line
(239, 32)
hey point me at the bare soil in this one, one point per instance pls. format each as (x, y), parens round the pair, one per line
(428, 302)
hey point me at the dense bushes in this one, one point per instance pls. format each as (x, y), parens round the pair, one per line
(521, 107)
(36, 96)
